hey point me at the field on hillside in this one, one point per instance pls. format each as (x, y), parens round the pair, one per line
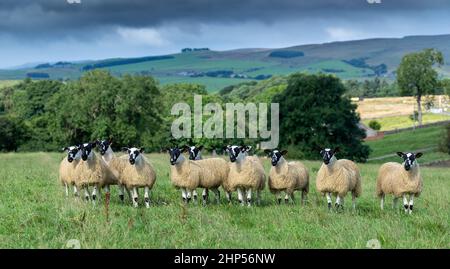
(398, 122)
(373, 108)
(425, 139)
(35, 214)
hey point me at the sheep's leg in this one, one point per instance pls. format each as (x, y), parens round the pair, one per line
(339, 202)
(228, 195)
(66, 189)
(329, 201)
(382, 202)
(286, 198)
(405, 203)
(121, 193)
(147, 196)
(75, 191)
(292, 196)
(135, 197)
(194, 195)
(205, 196)
(86, 193)
(240, 196)
(278, 196)
(188, 195)
(249, 197)
(258, 197)
(304, 197)
(217, 195)
(354, 201)
(184, 195)
(107, 190)
(411, 203)
(94, 193)
(394, 203)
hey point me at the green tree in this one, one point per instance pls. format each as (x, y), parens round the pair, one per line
(417, 77)
(12, 133)
(314, 114)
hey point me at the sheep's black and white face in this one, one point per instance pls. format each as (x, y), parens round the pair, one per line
(236, 152)
(409, 159)
(104, 145)
(134, 154)
(275, 155)
(73, 153)
(195, 152)
(327, 155)
(175, 154)
(87, 150)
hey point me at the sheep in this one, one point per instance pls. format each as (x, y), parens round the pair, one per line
(246, 174)
(184, 174)
(400, 180)
(195, 154)
(338, 177)
(67, 168)
(287, 176)
(116, 164)
(92, 171)
(137, 174)
(188, 175)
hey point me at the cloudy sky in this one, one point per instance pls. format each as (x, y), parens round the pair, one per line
(52, 30)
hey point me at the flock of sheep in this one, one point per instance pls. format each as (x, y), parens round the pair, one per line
(82, 169)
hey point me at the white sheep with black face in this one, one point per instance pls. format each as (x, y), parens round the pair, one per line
(401, 180)
(246, 174)
(138, 173)
(189, 175)
(92, 171)
(116, 164)
(67, 168)
(338, 177)
(287, 176)
(195, 154)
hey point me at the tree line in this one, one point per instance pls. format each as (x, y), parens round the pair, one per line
(45, 115)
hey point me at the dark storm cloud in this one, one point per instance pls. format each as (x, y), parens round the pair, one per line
(58, 18)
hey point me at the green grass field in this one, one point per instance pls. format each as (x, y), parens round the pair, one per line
(398, 122)
(35, 214)
(426, 138)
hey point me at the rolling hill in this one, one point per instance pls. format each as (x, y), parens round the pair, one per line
(357, 59)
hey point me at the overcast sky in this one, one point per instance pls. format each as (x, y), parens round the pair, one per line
(53, 30)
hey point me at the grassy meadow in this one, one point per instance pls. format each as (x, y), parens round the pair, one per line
(36, 214)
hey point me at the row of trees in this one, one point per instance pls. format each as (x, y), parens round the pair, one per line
(135, 110)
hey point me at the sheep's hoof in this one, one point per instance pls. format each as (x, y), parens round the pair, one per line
(279, 201)
(147, 202)
(329, 206)
(86, 198)
(94, 197)
(122, 197)
(195, 197)
(286, 201)
(188, 199)
(241, 202)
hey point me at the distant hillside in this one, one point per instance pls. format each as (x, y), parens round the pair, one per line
(357, 59)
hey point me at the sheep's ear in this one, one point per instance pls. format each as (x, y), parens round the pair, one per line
(418, 155)
(268, 151)
(110, 140)
(284, 152)
(141, 150)
(400, 154)
(336, 149)
(321, 152)
(97, 142)
(125, 149)
(200, 147)
(184, 149)
(64, 149)
(248, 148)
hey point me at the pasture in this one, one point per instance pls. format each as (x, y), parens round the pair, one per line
(36, 214)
